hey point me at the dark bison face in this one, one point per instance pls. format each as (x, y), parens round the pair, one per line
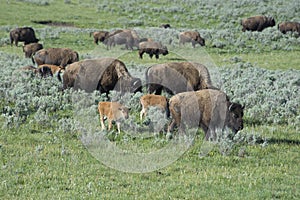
(201, 41)
(164, 51)
(236, 113)
(271, 21)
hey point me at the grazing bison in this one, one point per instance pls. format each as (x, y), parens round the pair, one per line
(42, 71)
(152, 48)
(191, 36)
(30, 49)
(285, 27)
(176, 77)
(257, 23)
(103, 74)
(127, 36)
(24, 34)
(114, 111)
(153, 100)
(55, 70)
(209, 109)
(99, 36)
(55, 56)
(165, 26)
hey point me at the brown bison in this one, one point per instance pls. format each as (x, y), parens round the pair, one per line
(99, 36)
(165, 26)
(42, 71)
(152, 48)
(55, 70)
(285, 27)
(114, 111)
(55, 56)
(30, 49)
(127, 36)
(257, 23)
(24, 34)
(158, 101)
(103, 74)
(176, 77)
(209, 109)
(191, 36)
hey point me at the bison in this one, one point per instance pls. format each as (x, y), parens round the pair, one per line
(257, 23)
(165, 26)
(103, 74)
(191, 36)
(176, 77)
(152, 48)
(24, 34)
(285, 27)
(99, 36)
(55, 56)
(31, 49)
(114, 111)
(42, 71)
(153, 100)
(127, 36)
(209, 109)
(55, 70)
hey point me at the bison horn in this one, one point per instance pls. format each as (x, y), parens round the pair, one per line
(230, 107)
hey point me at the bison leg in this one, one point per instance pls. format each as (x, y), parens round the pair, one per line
(102, 122)
(157, 55)
(141, 54)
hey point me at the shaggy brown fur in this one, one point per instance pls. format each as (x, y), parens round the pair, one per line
(209, 109)
(152, 48)
(24, 34)
(55, 56)
(176, 77)
(30, 49)
(103, 74)
(191, 36)
(285, 27)
(257, 23)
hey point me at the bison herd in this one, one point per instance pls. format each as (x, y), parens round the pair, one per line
(194, 100)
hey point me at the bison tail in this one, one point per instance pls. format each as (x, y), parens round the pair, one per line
(32, 58)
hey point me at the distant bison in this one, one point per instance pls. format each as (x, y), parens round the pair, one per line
(285, 27)
(257, 23)
(176, 77)
(25, 34)
(165, 26)
(55, 56)
(152, 48)
(127, 36)
(99, 36)
(30, 49)
(209, 109)
(103, 74)
(191, 36)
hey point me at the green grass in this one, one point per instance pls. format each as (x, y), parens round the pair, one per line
(39, 162)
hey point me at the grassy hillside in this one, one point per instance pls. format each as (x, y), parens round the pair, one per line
(47, 151)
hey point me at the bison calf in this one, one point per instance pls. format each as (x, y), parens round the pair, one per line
(114, 111)
(209, 109)
(155, 101)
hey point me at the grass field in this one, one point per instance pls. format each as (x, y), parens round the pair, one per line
(43, 153)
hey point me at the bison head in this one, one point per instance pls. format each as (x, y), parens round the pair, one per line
(164, 50)
(271, 21)
(201, 41)
(235, 118)
(131, 85)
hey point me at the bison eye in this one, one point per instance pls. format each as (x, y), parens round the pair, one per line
(235, 116)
